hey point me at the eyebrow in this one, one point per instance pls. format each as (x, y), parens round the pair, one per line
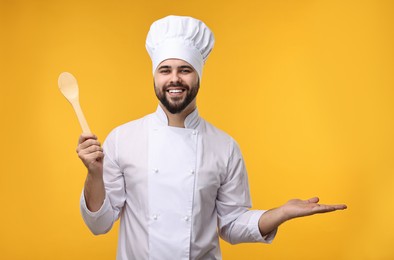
(164, 67)
(179, 67)
(185, 67)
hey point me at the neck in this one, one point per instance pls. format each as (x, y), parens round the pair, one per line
(178, 120)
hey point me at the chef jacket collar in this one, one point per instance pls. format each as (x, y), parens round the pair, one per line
(191, 121)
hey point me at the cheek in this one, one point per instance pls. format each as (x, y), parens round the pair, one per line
(196, 79)
(192, 81)
(159, 81)
(196, 82)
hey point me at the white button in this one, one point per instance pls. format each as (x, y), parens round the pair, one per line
(155, 170)
(186, 218)
(154, 217)
(192, 171)
(194, 132)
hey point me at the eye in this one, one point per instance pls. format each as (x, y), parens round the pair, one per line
(164, 71)
(185, 71)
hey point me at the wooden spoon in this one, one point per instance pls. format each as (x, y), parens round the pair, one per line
(69, 87)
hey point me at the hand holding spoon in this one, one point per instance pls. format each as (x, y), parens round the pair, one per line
(69, 87)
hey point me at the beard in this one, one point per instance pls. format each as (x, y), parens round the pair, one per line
(176, 105)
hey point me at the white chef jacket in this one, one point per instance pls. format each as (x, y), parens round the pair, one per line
(174, 189)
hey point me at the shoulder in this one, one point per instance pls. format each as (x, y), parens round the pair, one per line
(129, 129)
(219, 137)
(211, 130)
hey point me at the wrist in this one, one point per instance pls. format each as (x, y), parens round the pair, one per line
(271, 219)
(94, 177)
(96, 172)
(283, 215)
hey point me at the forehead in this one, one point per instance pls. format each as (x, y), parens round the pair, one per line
(174, 63)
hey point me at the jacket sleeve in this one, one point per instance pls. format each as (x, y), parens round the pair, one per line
(101, 221)
(236, 222)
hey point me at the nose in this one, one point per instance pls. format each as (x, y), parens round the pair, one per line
(175, 77)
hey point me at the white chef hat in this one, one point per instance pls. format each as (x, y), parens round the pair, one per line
(179, 37)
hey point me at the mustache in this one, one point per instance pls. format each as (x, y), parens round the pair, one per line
(176, 84)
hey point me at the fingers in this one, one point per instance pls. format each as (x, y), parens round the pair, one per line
(83, 137)
(89, 144)
(339, 207)
(315, 207)
(89, 149)
(323, 208)
(92, 157)
(313, 200)
(87, 140)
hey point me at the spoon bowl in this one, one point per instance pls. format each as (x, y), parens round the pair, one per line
(68, 85)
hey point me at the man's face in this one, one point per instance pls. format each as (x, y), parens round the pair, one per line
(176, 85)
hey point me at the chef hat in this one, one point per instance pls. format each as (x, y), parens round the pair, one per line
(179, 37)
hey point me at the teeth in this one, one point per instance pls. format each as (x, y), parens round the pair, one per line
(175, 90)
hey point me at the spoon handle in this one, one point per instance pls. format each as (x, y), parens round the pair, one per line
(81, 117)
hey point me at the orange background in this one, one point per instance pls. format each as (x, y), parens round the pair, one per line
(305, 87)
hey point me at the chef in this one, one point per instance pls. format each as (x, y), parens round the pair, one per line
(176, 182)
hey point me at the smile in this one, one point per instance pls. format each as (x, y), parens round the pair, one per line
(175, 90)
